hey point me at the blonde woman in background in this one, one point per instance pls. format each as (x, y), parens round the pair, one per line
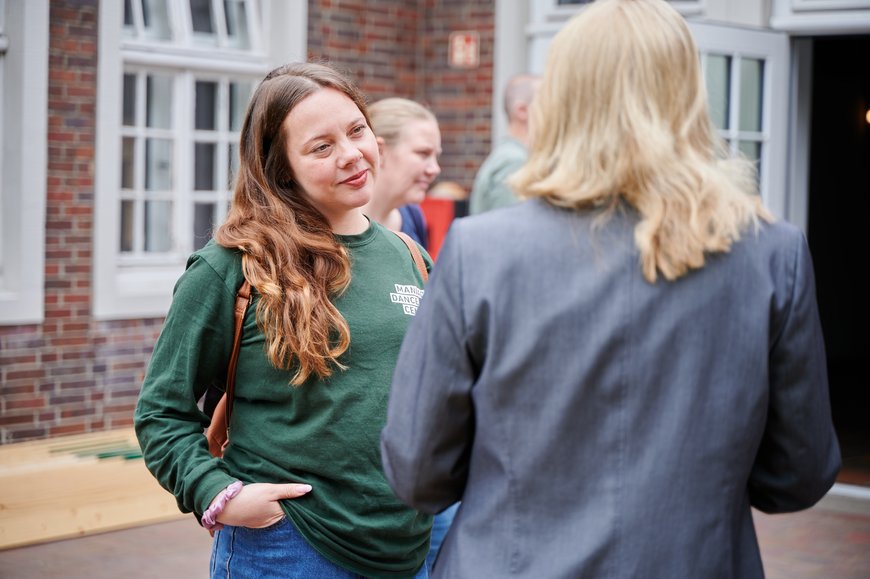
(409, 142)
(610, 374)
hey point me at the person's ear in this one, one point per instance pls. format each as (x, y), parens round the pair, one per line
(521, 112)
(381, 145)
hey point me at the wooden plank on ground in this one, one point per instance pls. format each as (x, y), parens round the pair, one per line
(77, 485)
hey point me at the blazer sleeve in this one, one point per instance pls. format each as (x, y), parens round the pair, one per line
(798, 458)
(430, 419)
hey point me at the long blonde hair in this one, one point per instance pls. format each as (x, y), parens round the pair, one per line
(622, 114)
(289, 253)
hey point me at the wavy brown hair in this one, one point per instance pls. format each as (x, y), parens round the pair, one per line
(621, 114)
(289, 253)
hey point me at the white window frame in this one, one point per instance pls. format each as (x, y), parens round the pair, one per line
(24, 120)
(819, 17)
(773, 48)
(137, 286)
(552, 11)
(4, 45)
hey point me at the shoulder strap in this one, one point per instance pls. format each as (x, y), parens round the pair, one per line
(243, 299)
(415, 253)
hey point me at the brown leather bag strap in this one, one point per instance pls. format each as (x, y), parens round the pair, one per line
(415, 253)
(243, 299)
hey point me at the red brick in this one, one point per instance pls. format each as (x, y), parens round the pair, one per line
(75, 327)
(7, 419)
(72, 341)
(75, 428)
(9, 359)
(8, 389)
(24, 403)
(76, 299)
(34, 374)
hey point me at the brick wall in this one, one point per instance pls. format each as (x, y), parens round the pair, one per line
(460, 98)
(375, 41)
(395, 48)
(71, 374)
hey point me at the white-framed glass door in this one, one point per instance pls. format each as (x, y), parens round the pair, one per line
(747, 76)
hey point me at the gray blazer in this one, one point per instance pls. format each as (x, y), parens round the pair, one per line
(596, 425)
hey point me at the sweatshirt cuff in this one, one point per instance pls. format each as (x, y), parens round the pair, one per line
(212, 484)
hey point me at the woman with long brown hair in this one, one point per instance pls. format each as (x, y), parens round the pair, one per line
(300, 490)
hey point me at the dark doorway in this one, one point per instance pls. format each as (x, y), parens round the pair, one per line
(839, 235)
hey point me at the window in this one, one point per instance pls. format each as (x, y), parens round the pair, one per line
(23, 127)
(746, 73)
(220, 105)
(179, 89)
(737, 110)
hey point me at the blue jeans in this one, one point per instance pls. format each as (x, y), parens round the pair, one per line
(274, 552)
(440, 526)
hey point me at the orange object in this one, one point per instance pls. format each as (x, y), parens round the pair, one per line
(439, 215)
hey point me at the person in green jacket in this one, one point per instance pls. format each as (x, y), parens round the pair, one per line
(491, 189)
(300, 490)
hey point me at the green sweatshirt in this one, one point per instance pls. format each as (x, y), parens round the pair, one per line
(324, 433)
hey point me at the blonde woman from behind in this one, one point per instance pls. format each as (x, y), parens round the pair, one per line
(610, 374)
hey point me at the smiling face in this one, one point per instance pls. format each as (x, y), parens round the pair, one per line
(409, 165)
(334, 157)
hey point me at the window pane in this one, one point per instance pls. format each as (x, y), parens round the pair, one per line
(751, 149)
(204, 165)
(201, 16)
(128, 152)
(129, 100)
(158, 226)
(156, 19)
(128, 12)
(203, 221)
(126, 226)
(158, 101)
(751, 93)
(718, 76)
(240, 93)
(158, 164)
(205, 113)
(234, 166)
(237, 23)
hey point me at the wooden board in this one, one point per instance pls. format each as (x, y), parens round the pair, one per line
(77, 485)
